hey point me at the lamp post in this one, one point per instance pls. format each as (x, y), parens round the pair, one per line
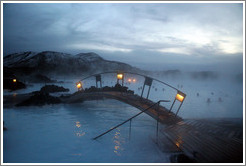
(148, 81)
(98, 79)
(120, 76)
(180, 96)
(79, 85)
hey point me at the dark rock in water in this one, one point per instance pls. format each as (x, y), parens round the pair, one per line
(117, 88)
(208, 100)
(53, 88)
(39, 99)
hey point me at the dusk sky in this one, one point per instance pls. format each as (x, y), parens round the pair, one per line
(153, 34)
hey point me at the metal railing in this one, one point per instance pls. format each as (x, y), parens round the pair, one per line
(157, 103)
(131, 73)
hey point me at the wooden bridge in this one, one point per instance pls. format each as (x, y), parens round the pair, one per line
(157, 111)
(203, 141)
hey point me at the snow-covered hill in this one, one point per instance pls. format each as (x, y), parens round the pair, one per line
(50, 62)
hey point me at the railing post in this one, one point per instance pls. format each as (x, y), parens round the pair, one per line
(148, 81)
(130, 129)
(157, 125)
(98, 79)
(142, 91)
(172, 105)
(178, 109)
(148, 92)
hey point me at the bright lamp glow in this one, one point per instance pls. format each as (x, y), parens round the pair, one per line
(129, 80)
(119, 76)
(79, 85)
(14, 80)
(134, 80)
(179, 97)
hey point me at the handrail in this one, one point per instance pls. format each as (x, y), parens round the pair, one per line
(131, 73)
(130, 118)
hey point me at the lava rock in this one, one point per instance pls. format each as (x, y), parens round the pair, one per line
(39, 99)
(117, 88)
(53, 88)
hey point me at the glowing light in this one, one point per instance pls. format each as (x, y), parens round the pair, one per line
(134, 80)
(119, 76)
(177, 144)
(79, 85)
(14, 80)
(129, 80)
(179, 97)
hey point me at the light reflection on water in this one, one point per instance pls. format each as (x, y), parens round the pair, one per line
(118, 141)
(63, 133)
(78, 131)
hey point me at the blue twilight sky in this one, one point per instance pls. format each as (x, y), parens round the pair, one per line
(152, 35)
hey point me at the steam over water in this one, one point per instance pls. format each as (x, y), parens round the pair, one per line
(62, 133)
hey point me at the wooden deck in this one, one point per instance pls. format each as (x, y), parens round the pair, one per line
(208, 141)
(204, 141)
(165, 116)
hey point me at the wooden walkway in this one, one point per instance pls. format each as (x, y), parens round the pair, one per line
(134, 100)
(204, 141)
(208, 141)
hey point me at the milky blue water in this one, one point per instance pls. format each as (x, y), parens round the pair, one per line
(63, 134)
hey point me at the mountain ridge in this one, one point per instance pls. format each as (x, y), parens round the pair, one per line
(51, 62)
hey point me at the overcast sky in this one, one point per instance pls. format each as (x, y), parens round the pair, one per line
(155, 34)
